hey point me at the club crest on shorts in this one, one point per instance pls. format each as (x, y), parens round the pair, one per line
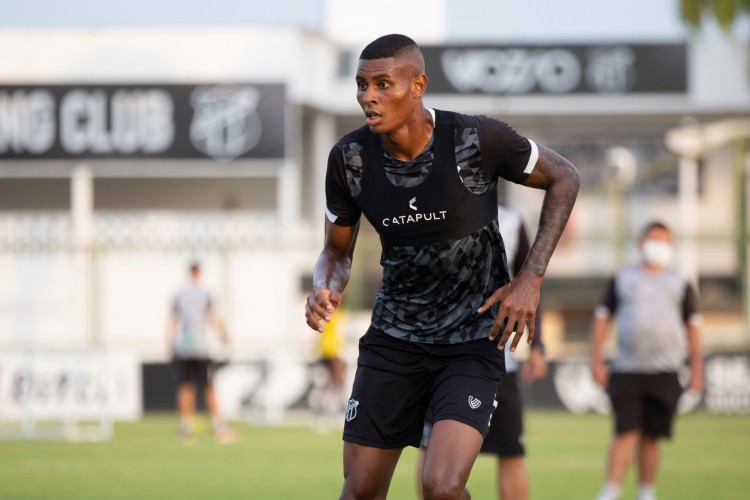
(351, 409)
(474, 403)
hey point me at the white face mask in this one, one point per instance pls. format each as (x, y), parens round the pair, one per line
(657, 252)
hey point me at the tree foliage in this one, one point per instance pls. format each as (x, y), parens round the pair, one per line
(725, 12)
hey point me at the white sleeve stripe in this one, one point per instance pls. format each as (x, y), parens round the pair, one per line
(601, 312)
(331, 216)
(533, 157)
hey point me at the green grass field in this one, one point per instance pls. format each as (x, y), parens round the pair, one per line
(709, 458)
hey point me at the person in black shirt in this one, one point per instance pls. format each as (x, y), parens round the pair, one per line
(427, 181)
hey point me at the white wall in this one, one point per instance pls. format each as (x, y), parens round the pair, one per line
(358, 23)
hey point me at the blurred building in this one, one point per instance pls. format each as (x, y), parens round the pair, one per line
(127, 151)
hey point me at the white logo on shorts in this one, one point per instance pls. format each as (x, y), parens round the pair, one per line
(351, 409)
(474, 403)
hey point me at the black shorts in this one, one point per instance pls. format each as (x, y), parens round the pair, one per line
(396, 380)
(199, 371)
(505, 438)
(645, 402)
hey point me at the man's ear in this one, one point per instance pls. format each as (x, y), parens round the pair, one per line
(419, 85)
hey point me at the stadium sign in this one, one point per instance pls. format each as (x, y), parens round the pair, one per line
(727, 383)
(66, 385)
(557, 69)
(223, 122)
(726, 380)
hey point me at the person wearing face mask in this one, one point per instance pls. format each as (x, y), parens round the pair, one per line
(657, 317)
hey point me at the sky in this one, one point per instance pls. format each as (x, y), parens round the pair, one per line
(465, 20)
(305, 13)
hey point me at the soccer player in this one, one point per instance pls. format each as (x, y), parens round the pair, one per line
(505, 438)
(187, 338)
(656, 310)
(427, 181)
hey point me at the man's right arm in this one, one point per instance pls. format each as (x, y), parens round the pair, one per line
(331, 273)
(599, 326)
(598, 335)
(171, 330)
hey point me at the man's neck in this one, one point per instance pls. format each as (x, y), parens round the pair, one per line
(651, 268)
(407, 142)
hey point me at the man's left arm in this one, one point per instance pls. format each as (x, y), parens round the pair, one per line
(535, 366)
(520, 298)
(219, 327)
(693, 319)
(559, 178)
(696, 358)
(215, 321)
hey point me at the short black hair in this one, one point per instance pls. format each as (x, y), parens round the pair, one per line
(654, 224)
(388, 46)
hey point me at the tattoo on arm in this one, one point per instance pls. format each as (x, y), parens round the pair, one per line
(559, 178)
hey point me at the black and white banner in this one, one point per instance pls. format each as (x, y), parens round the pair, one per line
(726, 381)
(557, 69)
(268, 388)
(65, 385)
(223, 122)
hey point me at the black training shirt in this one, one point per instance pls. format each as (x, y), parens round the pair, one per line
(437, 219)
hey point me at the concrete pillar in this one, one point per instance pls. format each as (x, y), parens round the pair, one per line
(288, 189)
(323, 138)
(743, 215)
(82, 205)
(687, 203)
(82, 216)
